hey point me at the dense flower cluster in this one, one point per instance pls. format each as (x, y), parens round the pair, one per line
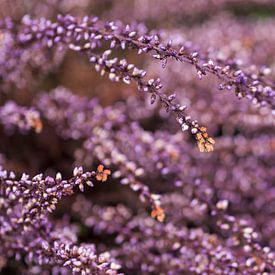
(151, 201)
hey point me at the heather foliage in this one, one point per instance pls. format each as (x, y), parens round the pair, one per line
(169, 108)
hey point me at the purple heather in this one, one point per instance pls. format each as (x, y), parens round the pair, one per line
(127, 145)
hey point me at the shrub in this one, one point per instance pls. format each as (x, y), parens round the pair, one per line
(174, 184)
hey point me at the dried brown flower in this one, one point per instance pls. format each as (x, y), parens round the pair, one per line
(101, 174)
(158, 213)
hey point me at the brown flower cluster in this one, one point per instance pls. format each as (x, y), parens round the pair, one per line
(205, 143)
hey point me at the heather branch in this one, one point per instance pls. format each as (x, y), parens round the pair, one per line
(73, 31)
(37, 196)
(122, 70)
(246, 84)
(24, 207)
(87, 28)
(68, 31)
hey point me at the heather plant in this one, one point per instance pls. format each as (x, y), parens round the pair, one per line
(169, 108)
